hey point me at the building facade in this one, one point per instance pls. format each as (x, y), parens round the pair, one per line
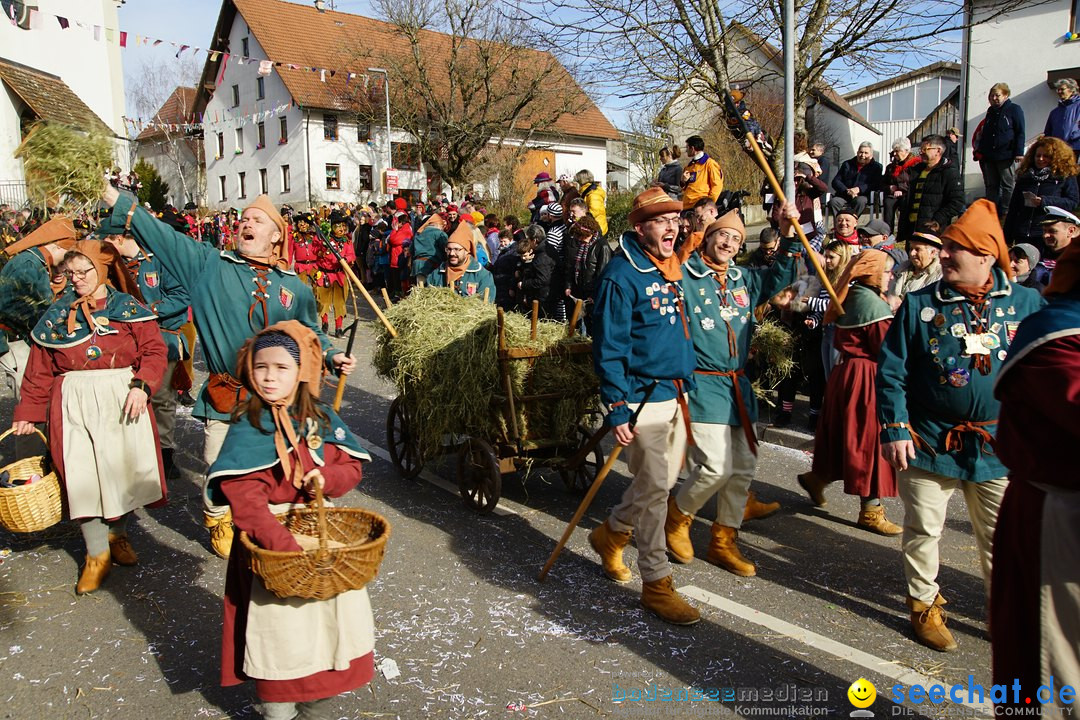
(898, 105)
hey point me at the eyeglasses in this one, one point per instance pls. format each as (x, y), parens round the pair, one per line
(728, 237)
(77, 274)
(668, 221)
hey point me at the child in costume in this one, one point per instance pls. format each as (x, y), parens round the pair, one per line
(301, 653)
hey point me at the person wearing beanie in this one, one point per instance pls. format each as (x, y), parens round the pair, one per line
(846, 226)
(462, 272)
(1032, 593)
(720, 301)
(331, 283)
(642, 334)
(301, 653)
(26, 289)
(1024, 258)
(234, 294)
(97, 358)
(936, 405)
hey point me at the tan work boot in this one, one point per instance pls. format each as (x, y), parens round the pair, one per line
(221, 532)
(756, 509)
(121, 551)
(609, 545)
(677, 532)
(929, 624)
(723, 552)
(660, 597)
(94, 572)
(874, 520)
(814, 487)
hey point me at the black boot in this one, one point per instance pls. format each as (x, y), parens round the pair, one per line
(339, 333)
(172, 472)
(325, 327)
(782, 419)
(185, 398)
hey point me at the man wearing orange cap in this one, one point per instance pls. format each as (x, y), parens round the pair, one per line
(26, 290)
(234, 294)
(641, 335)
(462, 272)
(935, 399)
(1034, 605)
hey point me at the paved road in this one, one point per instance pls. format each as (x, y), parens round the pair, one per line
(458, 608)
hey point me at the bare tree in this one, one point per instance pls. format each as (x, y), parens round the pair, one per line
(464, 75)
(159, 82)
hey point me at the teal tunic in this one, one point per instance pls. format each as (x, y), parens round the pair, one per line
(25, 294)
(710, 311)
(473, 283)
(249, 449)
(224, 290)
(929, 383)
(51, 329)
(167, 298)
(428, 250)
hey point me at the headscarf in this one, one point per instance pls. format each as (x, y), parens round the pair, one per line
(278, 252)
(866, 268)
(436, 220)
(111, 269)
(303, 345)
(57, 230)
(979, 230)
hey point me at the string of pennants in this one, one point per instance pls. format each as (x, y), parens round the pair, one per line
(127, 40)
(198, 120)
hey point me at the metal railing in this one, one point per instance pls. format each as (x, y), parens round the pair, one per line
(13, 193)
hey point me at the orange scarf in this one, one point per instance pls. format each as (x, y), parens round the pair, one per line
(670, 268)
(454, 274)
(721, 270)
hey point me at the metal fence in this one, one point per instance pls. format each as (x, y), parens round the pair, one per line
(13, 192)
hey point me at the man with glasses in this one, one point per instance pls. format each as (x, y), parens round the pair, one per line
(936, 195)
(462, 272)
(720, 302)
(641, 335)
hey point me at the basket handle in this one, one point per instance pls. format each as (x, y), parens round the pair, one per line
(320, 514)
(39, 434)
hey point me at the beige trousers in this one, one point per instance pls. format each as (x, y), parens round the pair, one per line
(214, 433)
(164, 404)
(13, 364)
(654, 459)
(926, 496)
(721, 464)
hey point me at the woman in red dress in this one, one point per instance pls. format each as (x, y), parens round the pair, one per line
(96, 358)
(847, 445)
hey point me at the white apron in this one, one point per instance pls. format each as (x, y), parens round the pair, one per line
(1060, 595)
(291, 638)
(124, 475)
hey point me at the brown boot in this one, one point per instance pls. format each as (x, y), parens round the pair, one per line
(723, 552)
(874, 520)
(814, 487)
(121, 550)
(677, 530)
(755, 509)
(95, 571)
(929, 624)
(221, 532)
(660, 597)
(609, 545)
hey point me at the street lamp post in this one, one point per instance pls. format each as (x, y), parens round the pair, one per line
(386, 92)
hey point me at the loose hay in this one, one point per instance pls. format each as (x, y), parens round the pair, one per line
(772, 348)
(444, 363)
(61, 163)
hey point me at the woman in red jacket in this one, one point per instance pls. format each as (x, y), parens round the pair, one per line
(400, 239)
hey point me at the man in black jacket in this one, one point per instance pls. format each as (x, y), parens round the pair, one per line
(1001, 146)
(936, 195)
(856, 179)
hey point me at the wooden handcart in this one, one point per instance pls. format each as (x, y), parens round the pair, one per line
(482, 461)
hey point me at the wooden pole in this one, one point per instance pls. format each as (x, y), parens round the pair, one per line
(782, 199)
(535, 318)
(367, 296)
(574, 319)
(386, 299)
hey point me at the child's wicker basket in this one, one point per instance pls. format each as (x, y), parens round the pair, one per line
(327, 571)
(33, 506)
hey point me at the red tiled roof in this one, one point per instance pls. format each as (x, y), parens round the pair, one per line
(301, 35)
(177, 109)
(50, 98)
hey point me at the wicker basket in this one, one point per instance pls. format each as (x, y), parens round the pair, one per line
(33, 507)
(325, 572)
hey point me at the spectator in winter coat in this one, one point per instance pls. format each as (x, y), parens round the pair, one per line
(586, 255)
(765, 254)
(536, 269)
(897, 180)
(702, 177)
(1047, 177)
(1024, 258)
(670, 176)
(921, 268)
(511, 221)
(1064, 120)
(594, 196)
(568, 189)
(546, 193)
(504, 270)
(808, 188)
(952, 146)
(491, 236)
(936, 194)
(856, 179)
(1001, 146)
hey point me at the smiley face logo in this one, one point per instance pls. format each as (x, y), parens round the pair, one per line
(862, 693)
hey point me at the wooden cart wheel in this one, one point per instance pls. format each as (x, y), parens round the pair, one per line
(479, 479)
(580, 478)
(402, 442)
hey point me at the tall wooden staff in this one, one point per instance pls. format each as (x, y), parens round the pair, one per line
(737, 124)
(356, 282)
